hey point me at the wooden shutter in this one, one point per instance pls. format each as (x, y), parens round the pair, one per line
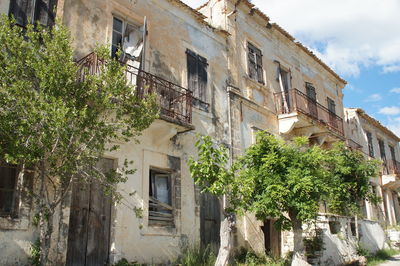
(382, 149)
(45, 12)
(370, 145)
(22, 11)
(192, 72)
(202, 78)
(311, 94)
(252, 62)
(331, 105)
(392, 153)
(260, 74)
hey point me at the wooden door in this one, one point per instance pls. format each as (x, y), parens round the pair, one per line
(210, 221)
(89, 226)
(272, 238)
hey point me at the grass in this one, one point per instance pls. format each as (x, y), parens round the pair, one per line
(196, 257)
(381, 256)
(248, 258)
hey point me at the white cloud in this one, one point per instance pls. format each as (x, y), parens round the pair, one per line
(390, 110)
(395, 90)
(347, 34)
(394, 125)
(391, 68)
(373, 98)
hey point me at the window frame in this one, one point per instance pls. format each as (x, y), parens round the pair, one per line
(35, 12)
(200, 78)
(370, 144)
(124, 25)
(171, 208)
(255, 63)
(13, 213)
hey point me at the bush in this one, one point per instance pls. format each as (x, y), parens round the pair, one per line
(196, 257)
(34, 257)
(249, 258)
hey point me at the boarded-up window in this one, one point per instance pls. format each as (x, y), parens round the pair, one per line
(8, 183)
(370, 145)
(255, 63)
(160, 198)
(29, 11)
(197, 75)
(382, 149)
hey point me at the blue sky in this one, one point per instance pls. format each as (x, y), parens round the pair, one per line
(359, 39)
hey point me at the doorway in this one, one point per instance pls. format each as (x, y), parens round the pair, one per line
(89, 226)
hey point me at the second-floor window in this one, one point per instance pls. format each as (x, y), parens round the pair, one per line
(30, 11)
(129, 38)
(311, 99)
(331, 106)
(255, 63)
(370, 145)
(382, 149)
(392, 153)
(197, 75)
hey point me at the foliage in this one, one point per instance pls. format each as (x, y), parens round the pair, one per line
(34, 258)
(196, 257)
(381, 256)
(248, 258)
(60, 126)
(350, 180)
(125, 262)
(274, 178)
(361, 251)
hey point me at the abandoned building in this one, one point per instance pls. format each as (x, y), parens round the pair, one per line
(222, 70)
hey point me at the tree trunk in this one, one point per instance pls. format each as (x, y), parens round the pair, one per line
(299, 251)
(225, 249)
(45, 219)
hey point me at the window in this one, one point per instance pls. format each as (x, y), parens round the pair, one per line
(255, 63)
(129, 37)
(30, 11)
(197, 75)
(331, 106)
(382, 149)
(392, 153)
(160, 198)
(311, 100)
(8, 185)
(370, 145)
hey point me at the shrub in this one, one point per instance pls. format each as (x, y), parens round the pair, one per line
(196, 257)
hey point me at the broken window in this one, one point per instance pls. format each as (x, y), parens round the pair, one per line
(370, 145)
(160, 198)
(8, 185)
(30, 11)
(197, 76)
(255, 63)
(129, 38)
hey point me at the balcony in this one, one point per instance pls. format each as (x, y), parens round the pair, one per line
(391, 174)
(175, 102)
(296, 111)
(354, 146)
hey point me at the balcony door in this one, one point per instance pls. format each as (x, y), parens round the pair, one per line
(312, 100)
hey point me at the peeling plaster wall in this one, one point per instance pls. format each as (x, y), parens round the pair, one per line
(4, 6)
(171, 30)
(356, 127)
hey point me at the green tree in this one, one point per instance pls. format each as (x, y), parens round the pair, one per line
(57, 125)
(286, 181)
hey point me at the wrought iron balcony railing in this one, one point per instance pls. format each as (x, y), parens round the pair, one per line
(296, 101)
(175, 101)
(353, 145)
